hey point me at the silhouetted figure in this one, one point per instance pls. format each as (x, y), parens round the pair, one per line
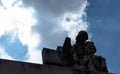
(83, 55)
(93, 62)
(90, 50)
(78, 49)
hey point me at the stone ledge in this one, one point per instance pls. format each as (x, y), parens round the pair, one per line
(15, 67)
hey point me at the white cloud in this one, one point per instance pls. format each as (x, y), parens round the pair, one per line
(19, 20)
(34, 56)
(73, 22)
(53, 26)
(7, 3)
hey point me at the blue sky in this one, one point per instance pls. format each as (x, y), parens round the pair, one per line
(28, 26)
(103, 17)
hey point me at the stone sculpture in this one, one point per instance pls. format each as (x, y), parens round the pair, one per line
(81, 56)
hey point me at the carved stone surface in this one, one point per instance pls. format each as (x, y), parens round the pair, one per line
(80, 56)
